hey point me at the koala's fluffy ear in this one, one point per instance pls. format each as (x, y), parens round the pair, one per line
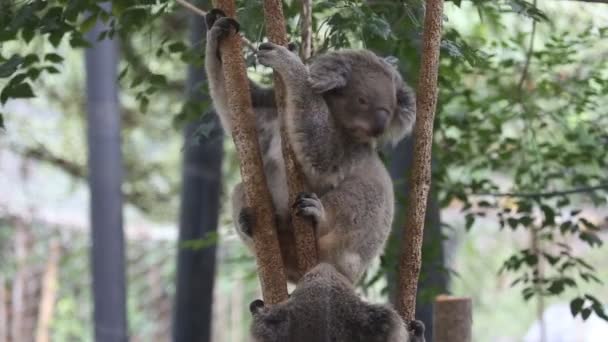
(329, 71)
(405, 115)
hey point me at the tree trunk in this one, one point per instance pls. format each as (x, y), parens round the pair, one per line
(306, 243)
(201, 186)
(433, 277)
(420, 181)
(105, 178)
(270, 264)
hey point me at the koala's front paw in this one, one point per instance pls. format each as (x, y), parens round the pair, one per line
(213, 15)
(309, 205)
(269, 54)
(223, 26)
(416, 330)
(246, 222)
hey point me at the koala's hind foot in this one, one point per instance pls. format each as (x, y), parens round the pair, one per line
(308, 205)
(246, 222)
(416, 330)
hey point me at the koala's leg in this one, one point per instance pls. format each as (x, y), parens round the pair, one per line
(243, 216)
(312, 132)
(352, 223)
(219, 27)
(416, 331)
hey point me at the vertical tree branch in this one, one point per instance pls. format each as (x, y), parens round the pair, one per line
(306, 29)
(306, 246)
(420, 180)
(49, 294)
(270, 264)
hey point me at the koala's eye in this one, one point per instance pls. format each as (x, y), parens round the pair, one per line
(361, 101)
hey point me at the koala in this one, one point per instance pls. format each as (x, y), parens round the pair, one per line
(340, 108)
(325, 307)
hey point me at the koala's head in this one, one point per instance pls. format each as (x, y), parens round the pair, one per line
(269, 324)
(325, 307)
(365, 94)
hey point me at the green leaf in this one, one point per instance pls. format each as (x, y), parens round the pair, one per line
(586, 312)
(88, 23)
(55, 38)
(30, 59)
(53, 57)
(9, 67)
(22, 90)
(2, 127)
(576, 305)
(143, 104)
(177, 47)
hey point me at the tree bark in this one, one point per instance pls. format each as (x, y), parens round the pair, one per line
(200, 196)
(306, 245)
(105, 178)
(452, 319)
(306, 29)
(49, 294)
(270, 264)
(420, 181)
(433, 277)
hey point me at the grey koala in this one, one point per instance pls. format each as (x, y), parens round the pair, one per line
(325, 307)
(339, 109)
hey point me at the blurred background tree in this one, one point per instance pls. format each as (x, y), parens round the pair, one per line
(520, 172)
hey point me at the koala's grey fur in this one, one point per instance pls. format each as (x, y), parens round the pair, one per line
(337, 113)
(324, 307)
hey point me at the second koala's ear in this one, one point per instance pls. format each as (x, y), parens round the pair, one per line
(256, 306)
(329, 71)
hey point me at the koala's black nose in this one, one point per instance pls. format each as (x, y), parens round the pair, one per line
(256, 306)
(379, 123)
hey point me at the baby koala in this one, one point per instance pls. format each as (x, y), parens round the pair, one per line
(325, 308)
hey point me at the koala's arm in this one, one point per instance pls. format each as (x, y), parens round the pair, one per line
(218, 29)
(314, 135)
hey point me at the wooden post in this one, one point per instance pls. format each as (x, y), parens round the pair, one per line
(452, 319)
(306, 245)
(420, 181)
(270, 264)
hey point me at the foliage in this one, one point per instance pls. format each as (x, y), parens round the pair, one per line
(528, 121)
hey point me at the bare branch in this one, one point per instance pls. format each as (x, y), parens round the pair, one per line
(306, 29)
(202, 13)
(585, 189)
(420, 180)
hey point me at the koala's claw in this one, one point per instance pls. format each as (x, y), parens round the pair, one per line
(256, 306)
(416, 329)
(246, 221)
(213, 15)
(225, 23)
(309, 205)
